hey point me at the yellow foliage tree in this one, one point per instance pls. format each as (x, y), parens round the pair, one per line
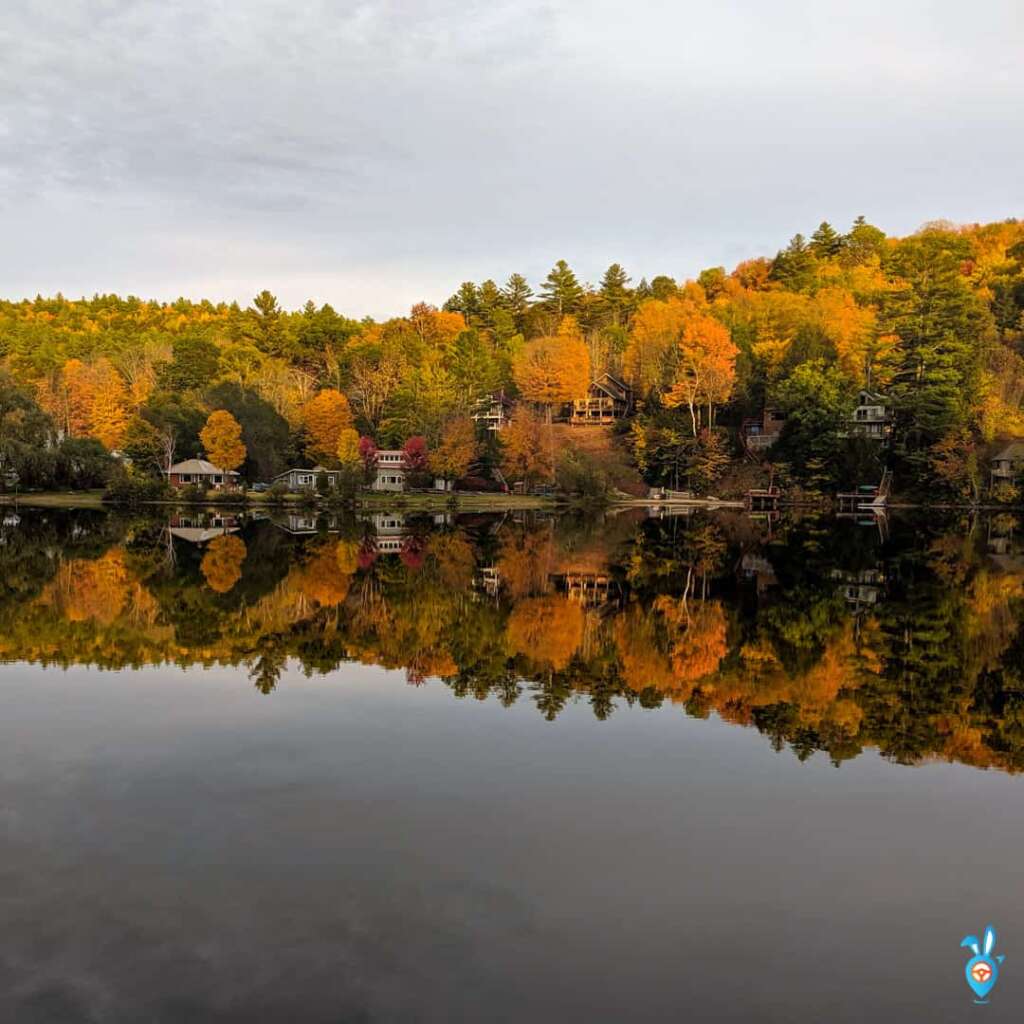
(108, 413)
(553, 369)
(657, 326)
(324, 417)
(222, 562)
(707, 368)
(222, 439)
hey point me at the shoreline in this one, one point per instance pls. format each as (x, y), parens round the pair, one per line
(441, 502)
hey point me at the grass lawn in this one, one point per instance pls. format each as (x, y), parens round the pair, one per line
(56, 499)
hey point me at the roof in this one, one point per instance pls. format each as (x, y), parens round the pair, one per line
(1014, 450)
(611, 386)
(874, 396)
(318, 469)
(200, 466)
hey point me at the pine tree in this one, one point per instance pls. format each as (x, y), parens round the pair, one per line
(265, 323)
(826, 242)
(517, 293)
(616, 298)
(561, 290)
(942, 327)
(794, 267)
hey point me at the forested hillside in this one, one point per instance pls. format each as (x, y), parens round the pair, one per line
(933, 320)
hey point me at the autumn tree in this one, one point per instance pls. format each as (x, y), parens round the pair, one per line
(457, 450)
(108, 412)
(324, 417)
(222, 562)
(707, 368)
(552, 370)
(222, 440)
(526, 448)
(655, 330)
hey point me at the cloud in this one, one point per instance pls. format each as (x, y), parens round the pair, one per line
(448, 139)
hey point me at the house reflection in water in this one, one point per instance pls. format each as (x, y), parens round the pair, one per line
(201, 527)
(390, 533)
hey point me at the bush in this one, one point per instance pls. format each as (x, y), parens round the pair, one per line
(277, 493)
(307, 497)
(193, 494)
(1006, 493)
(129, 487)
(581, 475)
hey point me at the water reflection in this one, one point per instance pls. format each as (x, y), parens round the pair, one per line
(823, 634)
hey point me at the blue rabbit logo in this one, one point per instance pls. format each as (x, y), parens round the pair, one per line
(982, 970)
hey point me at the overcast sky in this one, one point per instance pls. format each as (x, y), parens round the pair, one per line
(371, 154)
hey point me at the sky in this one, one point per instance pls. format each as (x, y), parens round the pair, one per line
(375, 154)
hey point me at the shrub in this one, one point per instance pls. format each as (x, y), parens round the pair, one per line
(193, 494)
(277, 493)
(581, 475)
(129, 487)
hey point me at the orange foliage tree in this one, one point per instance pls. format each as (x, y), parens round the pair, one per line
(707, 368)
(526, 448)
(656, 328)
(553, 369)
(324, 417)
(222, 439)
(457, 451)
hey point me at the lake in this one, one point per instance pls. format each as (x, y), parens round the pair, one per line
(624, 767)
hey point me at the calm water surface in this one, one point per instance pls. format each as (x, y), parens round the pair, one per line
(488, 769)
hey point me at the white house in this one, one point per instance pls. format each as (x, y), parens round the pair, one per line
(390, 470)
(297, 479)
(872, 417)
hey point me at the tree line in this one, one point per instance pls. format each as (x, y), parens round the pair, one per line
(932, 320)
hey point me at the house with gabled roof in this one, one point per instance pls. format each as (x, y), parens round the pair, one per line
(200, 473)
(608, 399)
(300, 479)
(1007, 465)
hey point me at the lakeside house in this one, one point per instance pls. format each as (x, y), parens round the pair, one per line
(608, 399)
(299, 479)
(493, 411)
(1008, 463)
(872, 418)
(760, 434)
(390, 470)
(202, 474)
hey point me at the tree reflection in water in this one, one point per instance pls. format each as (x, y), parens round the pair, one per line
(821, 634)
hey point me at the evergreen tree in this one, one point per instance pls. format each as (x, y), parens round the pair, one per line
(264, 318)
(943, 328)
(826, 242)
(663, 287)
(794, 267)
(616, 298)
(561, 290)
(465, 301)
(863, 242)
(517, 293)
